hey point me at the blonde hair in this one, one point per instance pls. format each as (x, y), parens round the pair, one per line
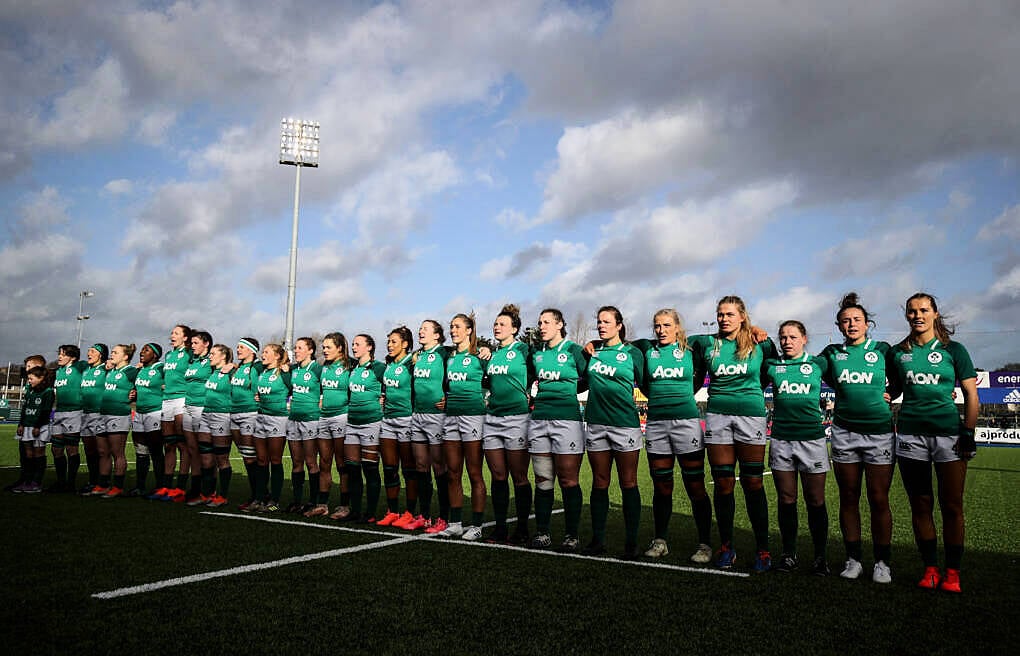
(745, 340)
(280, 352)
(675, 316)
(129, 350)
(469, 321)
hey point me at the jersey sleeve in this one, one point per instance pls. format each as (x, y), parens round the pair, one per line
(962, 364)
(45, 408)
(893, 373)
(639, 366)
(826, 355)
(823, 365)
(131, 373)
(379, 369)
(285, 377)
(700, 367)
(643, 345)
(581, 362)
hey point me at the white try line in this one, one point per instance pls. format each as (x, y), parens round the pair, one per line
(392, 541)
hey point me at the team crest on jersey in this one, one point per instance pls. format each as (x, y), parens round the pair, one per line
(510, 355)
(805, 369)
(678, 353)
(308, 376)
(654, 355)
(846, 356)
(871, 357)
(272, 378)
(621, 357)
(561, 358)
(38, 401)
(364, 374)
(431, 358)
(152, 372)
(398, 370)
(95, 373)
(538, 358)
(466, 361)
(68, 371)
(934, 357)
(118, 376)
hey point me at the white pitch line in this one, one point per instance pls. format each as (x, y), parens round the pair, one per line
(288, 522)
(246, 569)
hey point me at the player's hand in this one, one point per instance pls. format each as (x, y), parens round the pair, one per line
(133, 395)
(965, 447)
(441, 403)
(887, 397)
(484, 353)
(758, 334)
(589, 348)
(35, 432)
(21, 431)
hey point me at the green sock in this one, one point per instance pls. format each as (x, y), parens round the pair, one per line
(477, 518)
(297, 481)
(599, 502)
(543, 510)
(60, 467)
(208, 481)
(702, 511)
(788, 527)
(40, 470)
(818, 524)
(118, 480)
(758, 512)
(313, 487)
(456, 515)
(411, 482)
(182, 480)
(725, 509)
(572, 502)
(662, 510)
(500, 501)
(276, 481)
(261, 481)
(425, 493)
(522, 504)
(373, 486)
(853, 549)
(225, 475)
(141, 470)
(355, 485)
(631, 513)
(443, 493)
(929, 552)
(252, 475)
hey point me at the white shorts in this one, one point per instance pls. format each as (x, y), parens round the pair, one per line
(66, 423)
(92, 424)
(192, 421)
(334, 428)
(267, 426)
(463, 428)
(363, 434)
(172, 408)
(243, 422)
(146, 422)
(28, 436)
(928, 448)
(509, 432)
(559, 436)
(299, 431)
(851, 447)
(808, 456)
(664, 437)
(727, 429)
(396, 428)
(616, 438)
(217, 424)
(117, 423)
(427, 427)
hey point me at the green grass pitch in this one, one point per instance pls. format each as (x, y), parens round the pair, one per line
(311, 586)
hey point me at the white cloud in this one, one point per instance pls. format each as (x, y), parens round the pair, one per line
(878, 254)
(118, 187)
(93, 111)
(1005, 226)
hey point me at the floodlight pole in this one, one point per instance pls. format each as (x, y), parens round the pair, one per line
(82, 317)
(288, 336)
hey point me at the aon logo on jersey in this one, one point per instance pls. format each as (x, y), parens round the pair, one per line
(499, 370)
(331, 384)
(265, 390)
(355, 387)
(302, 389)
(422, 373)
(603, 368)
(548, 375)
(787, 387)
(390, 382)
(847, 376)
(668, 372)
(61, 383)
(110, 386)
(731, 369)
(923, 378)
(458, 376)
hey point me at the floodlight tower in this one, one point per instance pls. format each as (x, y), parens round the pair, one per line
(82, 317)
(299, 147)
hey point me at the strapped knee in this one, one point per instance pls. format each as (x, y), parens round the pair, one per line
(543, 473)
(247, 451)
(723, 471)
(205, 448)
(693, 474)
(391, 475)
(222, 450)
(662, 475)
(752, 469)
(141, 450)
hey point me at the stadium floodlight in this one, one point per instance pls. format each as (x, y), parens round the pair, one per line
(82, 317)
(299, 147)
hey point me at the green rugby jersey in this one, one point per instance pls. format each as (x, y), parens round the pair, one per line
(562, 372)
(796, 393)
(397, 379)
(92, 382)
(464, 396)
(195, 375)
(735, 384)
(273, 389)
(365, 386)
(175, 362)
(67, 386)
(149, 388)
(857, 373)
(334, 380)
(217, 392)
(508, 374)
(928, 374)
(36, 406)
(429, 379)
(613, 373)
(116, 388)
(306, 392)
(672, 376)
(243, 386)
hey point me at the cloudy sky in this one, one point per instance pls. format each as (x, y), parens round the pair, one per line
(569, 154)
